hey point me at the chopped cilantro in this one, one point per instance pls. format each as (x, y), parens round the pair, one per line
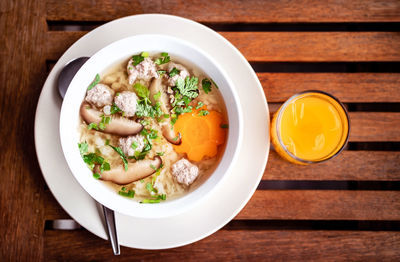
(174, 72)
(107, 142)
(206, 84)
(188, 87)
(134, 145)
(141, 180)
(137, 59)
(141, 90)
(203, 112)
(161, 72)
(144, 54)
(122, 155)
(151, 189)
(91, 159)
(114, 109)
(157, 95)
(83, 147)
(93, 126)
(199, 105)
(95, 82)
(163, 59)
(96, 175)
(160, 153)
(153, 167)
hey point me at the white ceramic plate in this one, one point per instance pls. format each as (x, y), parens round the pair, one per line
(207, 217)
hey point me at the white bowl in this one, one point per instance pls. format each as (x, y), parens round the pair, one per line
(99, 62)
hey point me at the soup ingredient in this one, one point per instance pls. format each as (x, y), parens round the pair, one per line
(166, 126)
(122, 155)
(91, 159)
(201, 135)
(206, 84)
(117, 125)
(188, 86)
(95, 82)
(126, 101)
(136, 171)
(176, 71)
(185, 172)
(129, 193)
(144, 107)
(145, 70)
(131, 144)
(100, 95)
(165, 58)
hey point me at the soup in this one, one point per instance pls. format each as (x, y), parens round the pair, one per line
(152, 128)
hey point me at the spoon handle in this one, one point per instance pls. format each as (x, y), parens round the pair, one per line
(112, 231)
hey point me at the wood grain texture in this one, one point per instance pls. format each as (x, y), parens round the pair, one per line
(235, 11)
(374, 126)
(348, 165)
(348, 87)
(284, 46)
(316, 46)
(22, 73)
(302, 204)
(323, 205)
(237, 245)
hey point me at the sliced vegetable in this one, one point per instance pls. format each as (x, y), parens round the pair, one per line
(95, 82)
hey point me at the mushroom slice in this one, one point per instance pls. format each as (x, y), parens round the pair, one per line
(136, 171)
(118, 125)
(167, 129)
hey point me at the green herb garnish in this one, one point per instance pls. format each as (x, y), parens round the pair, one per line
(203, 112)
(224, 126)
(114, 109)
(206, 84)
(160, 153)
(163, 59)
(83, 147)
(199, 105)
(123, 192)
(188, 87)
(144, 54)
(122, 155)
(134, 145)
(107, 142)
(95, 82)
(161, 72)
(91, 159)
(96, 175)
(137, 59)
(174, 72)
(157, 95)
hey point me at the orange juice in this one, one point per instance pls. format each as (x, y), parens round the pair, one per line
(310, 127)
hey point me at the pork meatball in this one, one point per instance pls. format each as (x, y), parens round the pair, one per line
(183, 73)
(125, 143)
(185, 172)
(145, 70)
(100, 95)
(126, 101)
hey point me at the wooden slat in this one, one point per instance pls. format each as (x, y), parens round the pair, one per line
(323, 205)
(230, 11)
(22, 214)
(317, 46)
(348, 87)
(286, 46)
(374, 126)
(237, 245)
(303, 204)
(348, 165)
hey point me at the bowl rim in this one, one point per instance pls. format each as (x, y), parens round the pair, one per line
(173, 204)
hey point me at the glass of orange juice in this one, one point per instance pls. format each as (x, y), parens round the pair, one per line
(310, 127)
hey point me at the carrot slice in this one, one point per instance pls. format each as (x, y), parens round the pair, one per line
(201, 135)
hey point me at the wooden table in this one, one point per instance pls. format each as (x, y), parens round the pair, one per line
(345, 209)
